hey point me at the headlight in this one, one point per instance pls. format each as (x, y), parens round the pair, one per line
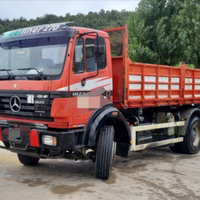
(49, 140)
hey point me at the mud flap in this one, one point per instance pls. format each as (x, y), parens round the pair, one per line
(122, 149)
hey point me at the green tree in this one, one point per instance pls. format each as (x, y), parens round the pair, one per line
(187, 23)
(97, 20)
(152, 36)
(165, 32)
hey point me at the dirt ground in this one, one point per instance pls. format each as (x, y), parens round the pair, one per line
(155, 174)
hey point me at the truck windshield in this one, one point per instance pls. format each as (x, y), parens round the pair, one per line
(45, 54)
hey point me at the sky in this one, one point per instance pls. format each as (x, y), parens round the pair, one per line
(14, 9)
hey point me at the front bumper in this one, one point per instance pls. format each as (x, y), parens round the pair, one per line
(24, 137)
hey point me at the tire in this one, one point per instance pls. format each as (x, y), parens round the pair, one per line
(176, 148)
(191, 143)
(28, 160)
(104, 152)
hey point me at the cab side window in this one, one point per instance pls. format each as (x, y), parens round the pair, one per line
(78, 64)
(90, 59)
(84, 56)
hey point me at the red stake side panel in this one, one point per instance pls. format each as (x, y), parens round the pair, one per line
(154, 85)
(157, 85)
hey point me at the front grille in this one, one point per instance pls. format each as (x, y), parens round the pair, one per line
(38, 110)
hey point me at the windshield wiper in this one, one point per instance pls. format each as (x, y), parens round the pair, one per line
(40, 73)
(10, 74)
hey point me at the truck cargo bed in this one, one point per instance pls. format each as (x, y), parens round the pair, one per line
(147, 85)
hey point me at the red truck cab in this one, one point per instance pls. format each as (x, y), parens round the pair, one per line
(53, 78)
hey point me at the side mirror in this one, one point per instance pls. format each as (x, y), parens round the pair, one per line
(99, 50)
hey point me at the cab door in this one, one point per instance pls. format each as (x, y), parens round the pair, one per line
(83, 73)
(87, 85)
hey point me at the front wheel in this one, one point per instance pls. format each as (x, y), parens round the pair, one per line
(28, 160)
(104, 152)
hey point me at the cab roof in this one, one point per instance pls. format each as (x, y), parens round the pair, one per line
(46, 29)
(35, 30)
(82, 30)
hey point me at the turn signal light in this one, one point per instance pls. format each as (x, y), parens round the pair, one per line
(115, 113)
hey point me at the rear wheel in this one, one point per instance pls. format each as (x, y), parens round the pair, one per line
(191, 143)
(105, 151)
(176, 148)
(28, 160)
(192, 138)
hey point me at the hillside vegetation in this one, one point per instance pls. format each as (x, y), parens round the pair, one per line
(97, 20)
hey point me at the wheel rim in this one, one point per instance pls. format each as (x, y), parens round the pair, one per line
(195, 136)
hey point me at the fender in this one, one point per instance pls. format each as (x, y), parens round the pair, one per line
(106, 116)
(188, 113)
(92, 119)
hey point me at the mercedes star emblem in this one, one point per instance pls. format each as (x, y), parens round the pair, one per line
(15, 104)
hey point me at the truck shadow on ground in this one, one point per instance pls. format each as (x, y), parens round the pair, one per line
(136, 162)
(66, 169)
